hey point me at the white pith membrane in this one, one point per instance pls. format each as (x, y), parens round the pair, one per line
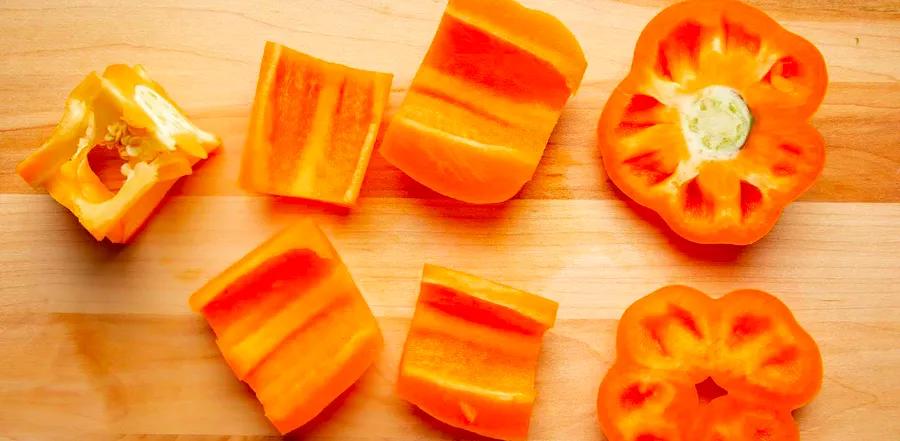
(170, 122)
(715, 123)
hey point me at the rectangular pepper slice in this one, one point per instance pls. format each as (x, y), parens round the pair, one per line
(291, 322)
(119, 147)
(471, 355)
(313, 127)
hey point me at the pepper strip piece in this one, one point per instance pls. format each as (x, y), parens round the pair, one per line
(710, 128)
(120, 145)
(291, 322)
(676, 341)
(481, 108)
(471, 354)
(313, 127)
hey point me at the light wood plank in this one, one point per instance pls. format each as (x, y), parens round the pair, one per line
(595, 257)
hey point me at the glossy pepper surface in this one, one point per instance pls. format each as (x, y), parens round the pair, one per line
(119, 147)
(677, 345)
(292, 324)
(313, 127)
(488, 94)
(471, 355)
(711, 126)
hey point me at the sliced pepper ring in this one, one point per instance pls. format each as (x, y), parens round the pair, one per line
(710, 127)
(689, 367)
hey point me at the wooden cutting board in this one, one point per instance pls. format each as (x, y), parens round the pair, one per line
(97, 342)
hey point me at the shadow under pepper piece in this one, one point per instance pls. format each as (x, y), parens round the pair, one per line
(711, 126)
(291, 323)
(677, 344)
(119, 147)
(472, 350)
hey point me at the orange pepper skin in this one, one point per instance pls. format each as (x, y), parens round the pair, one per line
(664, 151)
(291, 323)
(120, 145)
(488, 94)
(730, 419)
(471, 354)
(313, 127)
(673, 342)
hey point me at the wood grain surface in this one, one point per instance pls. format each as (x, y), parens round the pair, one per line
(97, 341)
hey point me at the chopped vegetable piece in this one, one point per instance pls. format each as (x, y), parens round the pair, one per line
(313, 127)
(471, 355)
(691, 368)
(119, 147)
(291, 322)
(711, 127)
(481, 108)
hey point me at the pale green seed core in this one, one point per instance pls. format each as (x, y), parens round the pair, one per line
(716, 123)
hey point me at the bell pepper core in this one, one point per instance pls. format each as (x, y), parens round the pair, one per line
(715, 123)
(119, 147)
(710, 128)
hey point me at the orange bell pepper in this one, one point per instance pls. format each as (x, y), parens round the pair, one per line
(291, 323)
(480, 110)
(676, 346)
(711, 126)
(471, 353)
(119, 147)
(313, 127)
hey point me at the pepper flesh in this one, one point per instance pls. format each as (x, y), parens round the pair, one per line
(119, 147)
(710, 128)
(675, 341)
(291, 323)
(481, 108)
(313, 127)
(471, 354)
